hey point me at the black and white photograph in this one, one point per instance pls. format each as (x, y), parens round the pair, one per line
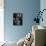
(17, 18)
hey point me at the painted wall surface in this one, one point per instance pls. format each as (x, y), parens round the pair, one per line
(28, 8)
(43, 6)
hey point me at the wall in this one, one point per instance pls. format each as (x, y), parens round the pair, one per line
(43, 6)
(1, 20)
(28, 8)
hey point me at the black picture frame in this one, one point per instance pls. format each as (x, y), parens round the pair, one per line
(17, 19)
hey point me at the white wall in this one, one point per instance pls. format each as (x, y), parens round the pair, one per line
(1, 20)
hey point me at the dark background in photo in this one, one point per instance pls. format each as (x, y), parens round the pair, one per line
(17, 18)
